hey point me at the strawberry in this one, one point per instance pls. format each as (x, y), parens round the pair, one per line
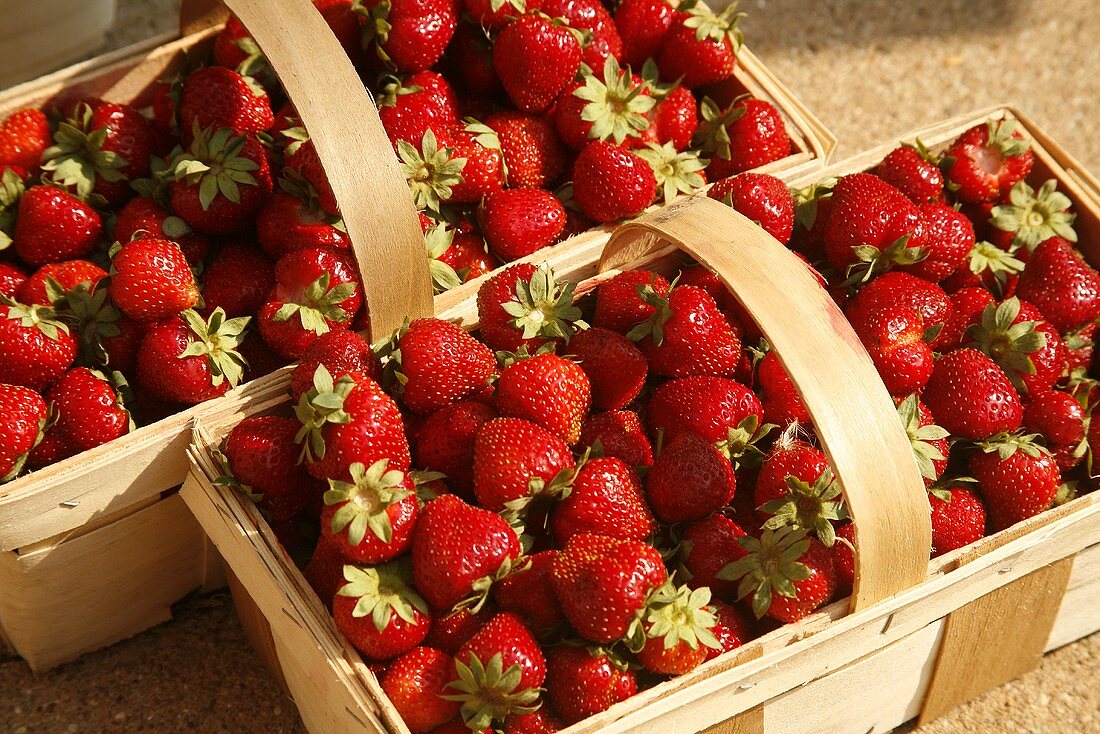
(261, 454)
(67, 275)
(151, 280)
(592, 19)
(53, 226)
(948, 240)
(971, 396)
(349, 420)
(762, 198)
(1016, 337)
(678, 634)
(606, 499)
(286, 222)
(1030, 217)
(22, 419)
(619, 434)
(528, 593)
(795, 487)
(987, 160)
(615, 368)
(446, 442)
(928, 441)
(958, 518)
(379, 611)
(748, 134)
(306, 166)
(844, 560)
(535, 58)
(50, 450)
(498, 672)
(689, 480)
(547, 390)
(583, 682)
(613, 106)
(12, 279)
(722, 412)
(237, 281)
(913, 171)
(523, 305)
(676, 119)
(37, 348)
(610, 182)
(619, 301)
(519, 222)
(532, 151)
(416, 684)
(1061, 285)
(188, 360)
(495, 14)
(894, 289)
(457, 257)
(471, 57)
(217, 98)
(893, 332)
(1018, 478)
(1080, 345)
(459, 551)
(483, 173)
(408, 35)
(371, 519)
(325, 572)
(730, 629)
(799, 570)
(409, 106)
(516, 460)
(687, 335)
(340, 351)
(142, 217)
(966, 304)
(603, 583)
(701, 45)
(450, 631)
(536, 722)
(779, 397)
(89, 409)
(234, 47)
(1060, 419)
(24, 137)
(706, 547)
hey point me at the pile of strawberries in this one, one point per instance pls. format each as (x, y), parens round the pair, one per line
(181, 248)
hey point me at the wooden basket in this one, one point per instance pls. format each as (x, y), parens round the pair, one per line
(66, 528)
(915, 639)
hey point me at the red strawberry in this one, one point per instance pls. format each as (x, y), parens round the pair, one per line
(22, 419)
(1015, 335)
(796, 487)
(457, 257)
(971, 396)
(913, 171)
(748, 134)
(233, 46)
(143, 217)
(188, 360)
(966, 304)
(239, 176)
(24, 137)
(1017, 477)
(593, 20)
(958, 518)
(496, 15)
(37, 348)
(535, 59)
(781, 403)
(689, 480)
(536, 722)
(1060, 419)
(53, 226)
(1061, 284)
(730, 629)
(528, 593)
(583, 682)
(371, 519)
(379, 611)
(287, 222)
(66, 275)
(416, 684)
(519, 222)
(844, 560)
(515, 460)
(643, 25)
(701, 46)
(721, 411)
(762, 198)
(616, 369)
(524, 306)
(532, 151)
(687, 335)
(341, 351)
(546, 390)
(678, 626)
(261, 453)
(446, 442)
(948, 239)
(89, 410)
(619, 434)
(612, 105)
(12, 279)
(303, 161)
(151, 280)
(451, 631)
(706, 547)
(799, 570)
(459, 550)
(409, 35)
(676, 119)
(619, 302)
(237, 281)
(893, 334)
(483, 173)
(987, 160)
(610, 182)
(410, 106)
(50, 450)
(606, 499)
(215, 98)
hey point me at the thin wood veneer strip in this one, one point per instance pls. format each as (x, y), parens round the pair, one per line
(852, 413)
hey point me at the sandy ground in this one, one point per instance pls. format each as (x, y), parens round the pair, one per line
(870, 69)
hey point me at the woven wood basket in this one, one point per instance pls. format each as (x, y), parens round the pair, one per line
(75, 538)
(915, 639)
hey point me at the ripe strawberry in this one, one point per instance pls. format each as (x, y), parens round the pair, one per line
(730, 629)
(844, 560)
(1061, 284)
(706, 547)
(779, 398)
(12, 279)
(261, 456)
(592, 19)
(519, 222)
(616, 369)
(723, 412)
(37, 348)
(1030, 217)
(409, 106)
(1016, 337)
(450, 631)
(1017, 477)
(151, 280)
(446, 442)
(958, 518)
(303, 161)
(687, 335)
(409, 35)
(642, 26)
(142, 217)
(535, 59)
(528, 593)
(217, 98)
(676, 118)
(416, 684)
(459, 550)
(524, 306)
(237, 281)
(613, 105)
(516, 460)
(457, 257)
(496, 15)
(234, 46)
(606, 499)
(24, 137)
(913, 171)
(536, 722)
(483, 173)
(89, 410)
(22, 419)
(748, 134)
(619, 434)
(701, 46)
(619, 302)
(966, 304)
(346, 421)
(471, 58)
(188, 360)
(50, 450)
(340, 351)
(762, 198)
(948, 239)
(66, 275)
(548, 391)
(532, 151)
(971, 396)
(583, 682)
(287, 222)
(893, 331)
(987, 160)
(1080, 345)
(379, 611)
(610, 182)
(795, 487)
(371, 519)
(798, 569)
(1060, 419)
(689, 480)
(53, 226)
(678, 634)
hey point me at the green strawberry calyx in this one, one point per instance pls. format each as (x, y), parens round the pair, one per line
(617, 106)
(871, 261)
(35, 316)
(431, 172)
(712, 26)
(677, 172)
(480, 587)
(394, 87)
(217, 339)
(542, 308)
(1033, 216)
(77, 157)
(94, 317)
(321, 304)
(920, 437)
(985, 257)
(1002, 136)
(438, 240)
(364, 501)
(11, 190)
(677, 615)
(812, 507)
(807, 200)
(1005, 445)
(1007, 342)
(770, 566)
(382, 593)
(713, 137)
(741, 443)
(320, 405)
(215, 164)
(489, 693)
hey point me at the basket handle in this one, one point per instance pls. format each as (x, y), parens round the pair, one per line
(352, 145)
(853, 414)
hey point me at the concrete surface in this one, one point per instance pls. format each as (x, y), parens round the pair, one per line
(870, 69)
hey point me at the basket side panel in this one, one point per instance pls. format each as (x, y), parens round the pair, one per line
(1080, 612)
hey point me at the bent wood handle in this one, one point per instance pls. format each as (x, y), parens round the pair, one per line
(853, 414)
(352, 146)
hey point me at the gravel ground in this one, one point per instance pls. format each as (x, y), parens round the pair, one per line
(870, 70)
